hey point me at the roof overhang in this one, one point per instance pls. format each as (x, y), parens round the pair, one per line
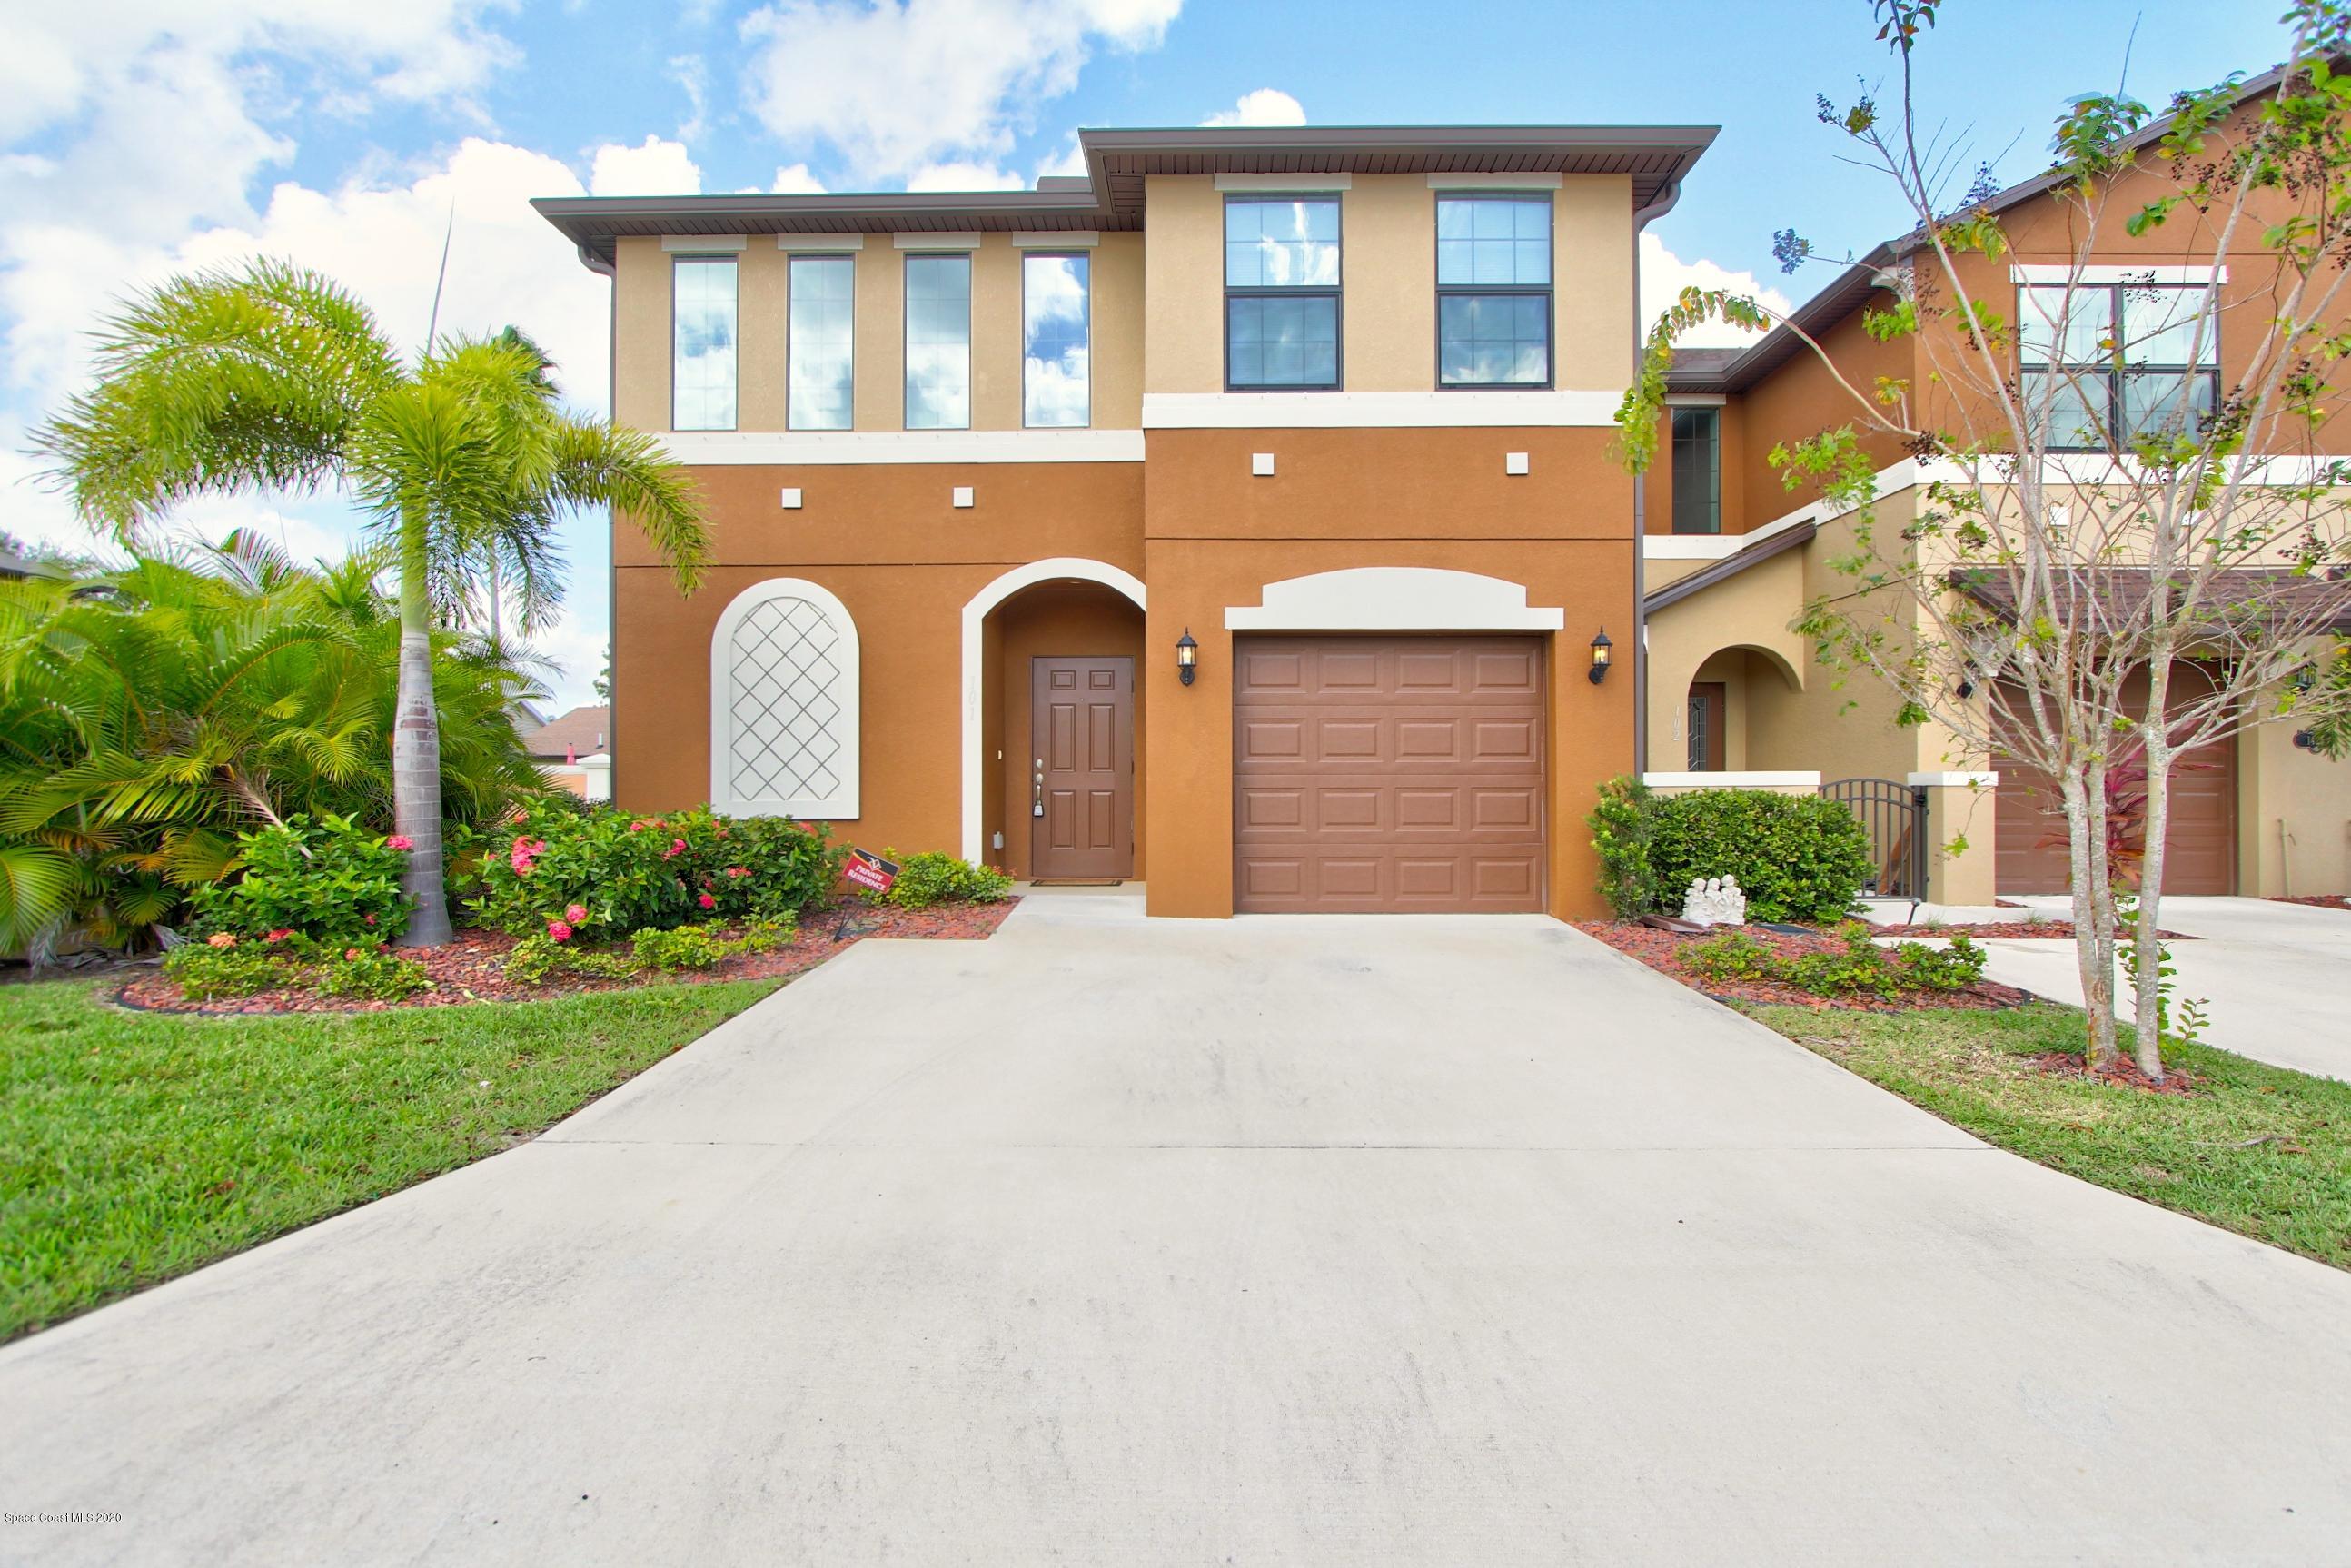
(1109, 195)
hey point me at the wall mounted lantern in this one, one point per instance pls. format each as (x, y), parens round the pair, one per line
(1600, 646)
(1187, 657)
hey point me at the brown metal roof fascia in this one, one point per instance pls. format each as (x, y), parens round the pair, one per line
(594, 222)
(1657, 157)
(1728, 566)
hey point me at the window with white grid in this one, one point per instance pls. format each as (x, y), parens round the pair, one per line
(783, 699)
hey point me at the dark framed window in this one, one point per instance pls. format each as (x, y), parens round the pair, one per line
(702, 343)
(2102, 364)
(1493, 290)
(1698, 470)
(1281, 293)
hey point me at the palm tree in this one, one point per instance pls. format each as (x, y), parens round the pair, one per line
(150, 713)
(277, 379)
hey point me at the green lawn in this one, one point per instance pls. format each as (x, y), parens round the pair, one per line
(135, 1147)
(2261, 1150)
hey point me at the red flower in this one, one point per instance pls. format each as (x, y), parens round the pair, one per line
(638, 826)
(676, 848)
(400, 842)
(738, 871)
(577, 915)
(370, 920)
(279, 934)
(708, 902)
(351, 953)
(559, 930)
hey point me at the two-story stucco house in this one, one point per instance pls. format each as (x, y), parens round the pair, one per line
(1239, 517)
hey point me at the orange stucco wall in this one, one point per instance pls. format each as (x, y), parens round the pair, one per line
(1051, 621)
(1342, 499)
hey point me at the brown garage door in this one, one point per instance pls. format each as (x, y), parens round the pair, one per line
(2200, 848)
(1385, 774)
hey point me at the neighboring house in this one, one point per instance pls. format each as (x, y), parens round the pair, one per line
(1334, 406)
(574, 749)
(1732, 556)
(1241, 517)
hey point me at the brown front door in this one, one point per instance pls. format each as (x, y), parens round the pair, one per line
(1378, 774)
(2200, 849)
(1082, 768)
(1707, 720)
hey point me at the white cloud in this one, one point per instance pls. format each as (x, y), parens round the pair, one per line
(658, 167)
(1664, 275)
(794, 180)
(964, 176)
(1266, 106)
(898, 84)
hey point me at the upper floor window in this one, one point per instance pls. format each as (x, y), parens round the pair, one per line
(938, 342)
(1698, 470)
(1055, 341)
(2115, 362)
(702, 343)
(1281, 292)
(821, 329)
(1493, 291)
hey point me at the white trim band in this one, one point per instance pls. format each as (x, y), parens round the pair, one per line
(955, 239)
(1393, 599)
(1056, 239)
(1517, 182)
(814, 244)
(1726, 780)
(1274, 184)
(1952, 780)
(703, 244)
(2101, 276)
(975, 618)
(740, 448)
(1369, 409)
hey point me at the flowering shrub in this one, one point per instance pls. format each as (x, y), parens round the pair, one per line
(373, 975)
(572, 876)
(329, 879)
(1860, 966)
(535, 958)
(206, 971)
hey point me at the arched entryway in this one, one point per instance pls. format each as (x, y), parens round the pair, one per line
(1053, 776)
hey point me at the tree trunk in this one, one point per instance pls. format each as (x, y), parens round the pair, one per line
(416, 750)
(2094, 949)
(2146, 952)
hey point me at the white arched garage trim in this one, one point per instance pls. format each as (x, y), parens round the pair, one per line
(1393, 599)
(784, 680)
(974, 615)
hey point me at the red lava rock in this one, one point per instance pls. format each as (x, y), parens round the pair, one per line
(1662, 950)
(473, 967)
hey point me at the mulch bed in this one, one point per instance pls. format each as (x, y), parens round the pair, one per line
(1662, 950)
(2318, 901)
(472, 969)
(2123, 1074)
(2004, 930)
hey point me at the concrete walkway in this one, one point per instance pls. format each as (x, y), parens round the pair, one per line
(1316, 1241)
(2275, 977)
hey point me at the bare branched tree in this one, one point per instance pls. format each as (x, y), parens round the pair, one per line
(2129, 542)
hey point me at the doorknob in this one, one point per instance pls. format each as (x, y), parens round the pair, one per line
(1037, 803)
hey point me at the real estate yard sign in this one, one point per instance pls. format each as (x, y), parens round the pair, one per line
(868, 870)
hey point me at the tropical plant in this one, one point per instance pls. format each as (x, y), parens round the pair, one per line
(275, 378)
(151, 716)
(934, 877)
(331, 880)
(1620, 835)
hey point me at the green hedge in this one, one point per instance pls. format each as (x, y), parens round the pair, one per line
(1797, 857)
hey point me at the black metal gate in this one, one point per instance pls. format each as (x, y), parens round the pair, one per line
(1894, 816)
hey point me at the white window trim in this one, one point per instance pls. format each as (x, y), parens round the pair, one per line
(1377, 410)
(974, 617)
(703, 244)
(1393, 599)
(791, 448)
(1056, 239)
(819, 244)
(1498, 182)
(959, 239)
(1280, 184)
(843, 803)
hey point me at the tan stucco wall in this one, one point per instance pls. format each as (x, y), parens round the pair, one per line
(1751, 610)
(1117, 276)
(2278, 782)
(1387, 228)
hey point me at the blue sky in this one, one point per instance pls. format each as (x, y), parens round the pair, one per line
(147, 136)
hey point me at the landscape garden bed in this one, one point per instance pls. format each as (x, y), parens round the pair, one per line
(2318, 901)
(472, 969)
(1668, 953)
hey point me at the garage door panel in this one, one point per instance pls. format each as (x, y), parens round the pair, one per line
(1388, 773)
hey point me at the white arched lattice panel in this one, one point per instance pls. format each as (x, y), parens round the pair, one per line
(783, 703)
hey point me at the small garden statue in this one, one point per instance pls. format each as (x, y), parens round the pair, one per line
(1715, 901)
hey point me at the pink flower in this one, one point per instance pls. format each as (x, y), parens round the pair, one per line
(400, 842)
(638, 826)
(221, 939)
(279, 934)
(676, 848)
(577, 913)
(370, 920)
(352, 953)
(738, 871)
(558, 931)
(708, 902)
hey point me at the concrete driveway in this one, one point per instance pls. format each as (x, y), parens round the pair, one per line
(2275, 977)
(1328, 1241)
